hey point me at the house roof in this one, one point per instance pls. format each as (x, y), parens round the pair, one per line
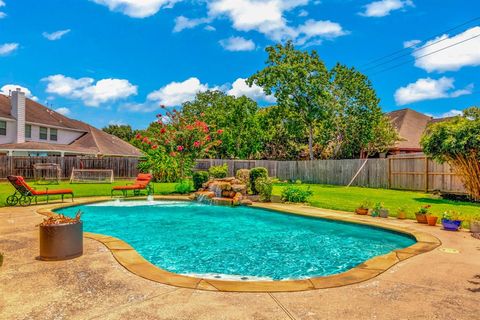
(92, 141)
(410, 125)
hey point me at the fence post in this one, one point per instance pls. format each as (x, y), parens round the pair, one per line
(389, 173)
(426, 174)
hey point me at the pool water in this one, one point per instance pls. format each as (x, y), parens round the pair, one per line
(237, 242)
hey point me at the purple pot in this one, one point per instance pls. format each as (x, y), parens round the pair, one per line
(451, 225)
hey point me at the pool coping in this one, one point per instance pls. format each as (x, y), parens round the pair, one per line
(131, 260)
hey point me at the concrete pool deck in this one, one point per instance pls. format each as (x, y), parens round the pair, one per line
(435, 285)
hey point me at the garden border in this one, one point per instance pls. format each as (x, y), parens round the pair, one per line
(130, 259)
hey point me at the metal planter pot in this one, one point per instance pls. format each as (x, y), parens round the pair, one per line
(61, 241)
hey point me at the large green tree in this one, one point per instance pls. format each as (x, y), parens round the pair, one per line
(124, 132)
(299, 81)
(457, 142)
(238, 117)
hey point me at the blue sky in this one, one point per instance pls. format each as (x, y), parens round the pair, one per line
(117, 61)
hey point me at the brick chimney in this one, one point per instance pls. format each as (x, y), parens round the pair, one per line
(17, 101)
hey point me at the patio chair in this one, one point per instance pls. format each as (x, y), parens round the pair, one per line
(142, 182)
(24, 193)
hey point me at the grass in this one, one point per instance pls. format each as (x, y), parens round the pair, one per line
(348, 199)
(324, 196)
(83, 189)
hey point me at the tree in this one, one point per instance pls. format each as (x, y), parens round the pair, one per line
(124, 132)
(236, 116)
(299, 82)
(457, 142)
(182, 139)
(355, 125)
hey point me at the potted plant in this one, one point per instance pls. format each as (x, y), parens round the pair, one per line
(450, 221)
(475, 226)
(401, 213)
(421, 215)
(431, 219)
(363, 208)
(383, 212)
(61, 237)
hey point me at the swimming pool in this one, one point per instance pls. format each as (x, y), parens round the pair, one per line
(244, 243)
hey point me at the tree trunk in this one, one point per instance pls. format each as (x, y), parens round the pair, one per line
(310, 142)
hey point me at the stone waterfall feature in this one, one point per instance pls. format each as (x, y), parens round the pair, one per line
(225, 191)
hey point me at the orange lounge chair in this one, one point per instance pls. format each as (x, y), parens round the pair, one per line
(24, 193)
(142, 182)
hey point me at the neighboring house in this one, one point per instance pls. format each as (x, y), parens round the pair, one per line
(28, 128)
(410, 125)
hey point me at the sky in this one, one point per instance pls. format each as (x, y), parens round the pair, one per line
(117, 61)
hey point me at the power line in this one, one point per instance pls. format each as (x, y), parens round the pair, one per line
(413, 45)
(426, 55)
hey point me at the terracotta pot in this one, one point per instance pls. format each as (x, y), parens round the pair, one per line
(361, 211)
(421, 217)
(432, 220)
(401, 215)
(475, 226)
(61, 241)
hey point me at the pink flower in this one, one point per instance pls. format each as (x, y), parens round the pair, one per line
(145, 140)
(189, 127)
(179, 148)
(196, 144)
(138, 136)
(154, 147)
(163, 130)
(208, 138)
(162, 106)
(219, 141)
(219, 131)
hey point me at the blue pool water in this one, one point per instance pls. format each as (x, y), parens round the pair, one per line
(237, 242)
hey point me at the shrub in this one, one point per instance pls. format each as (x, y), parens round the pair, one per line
(256, 173)
(184, 186)
(296, 194)
(264, 186)
(218, 171)
(199, 178)
(243, 175)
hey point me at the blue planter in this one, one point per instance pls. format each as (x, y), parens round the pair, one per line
(451, 225)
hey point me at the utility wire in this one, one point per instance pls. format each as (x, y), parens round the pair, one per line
(425, 55)
(413, 45)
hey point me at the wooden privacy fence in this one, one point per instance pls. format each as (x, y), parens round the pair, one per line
(399, 172)
(23, 166)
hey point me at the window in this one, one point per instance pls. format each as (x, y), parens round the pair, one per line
(43, 133)
(53, 134)
(28, 131)
(3, 128)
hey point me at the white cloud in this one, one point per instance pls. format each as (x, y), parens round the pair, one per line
(7, 48)
(116, 123)
(2, 14)
(182, 23)
(453, 58)
(451, 113)
(210, 28)
(383, 8)
(429, 89)
(145, 107)
(313, 28)
(176, 93)
(57, 35)
(137, 8)
(240, 88)
(63, 111)
(237, 44)
(303, 13)
(411, 43)
(91, 93)
(12, 87)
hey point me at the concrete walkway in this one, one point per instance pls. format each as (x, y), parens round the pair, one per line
(434, 285)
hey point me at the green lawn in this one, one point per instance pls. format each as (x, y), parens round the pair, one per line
(348, 199)
(324, 196)
(83, 189)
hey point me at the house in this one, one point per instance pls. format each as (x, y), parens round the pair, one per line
(410, 125)
(28, 128)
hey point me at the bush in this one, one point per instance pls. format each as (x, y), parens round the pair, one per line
(264, 186)
(296, 194)
(218, 171)
(199, 178)
(256, 173)
(184, 186)
(243, 175)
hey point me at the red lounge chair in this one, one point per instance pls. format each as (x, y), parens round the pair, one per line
(143, 182)
(24, 193)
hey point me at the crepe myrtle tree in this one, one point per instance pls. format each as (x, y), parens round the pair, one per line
(181, 139)
(457, 142)
(299, 81)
